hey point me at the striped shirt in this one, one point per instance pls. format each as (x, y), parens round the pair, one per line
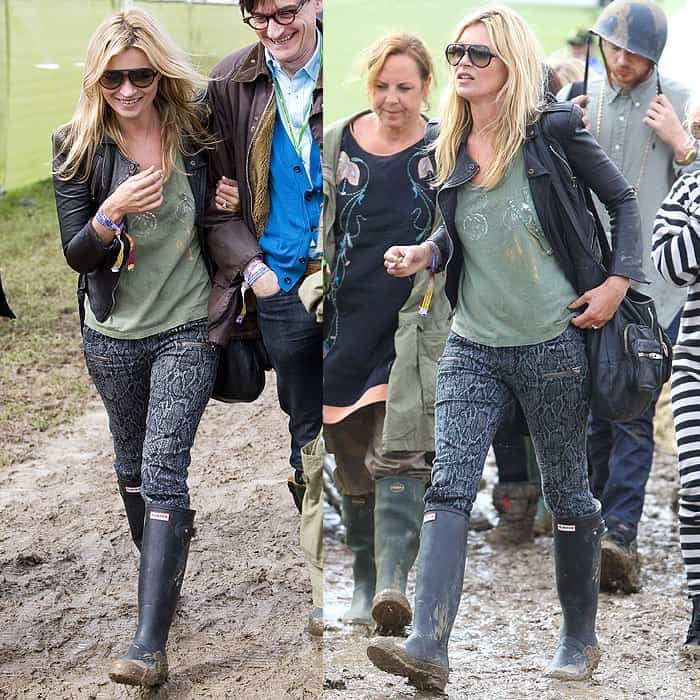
(676, 254)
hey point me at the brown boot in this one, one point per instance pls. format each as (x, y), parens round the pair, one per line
(516, 503)
(620, 567)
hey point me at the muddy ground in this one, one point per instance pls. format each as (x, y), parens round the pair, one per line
(68, 574)
(507, 626)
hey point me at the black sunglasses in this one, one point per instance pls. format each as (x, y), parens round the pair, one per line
(479, 55)
(284, 16)
(138, 77)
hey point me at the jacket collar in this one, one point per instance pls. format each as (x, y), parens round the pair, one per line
(465, 167)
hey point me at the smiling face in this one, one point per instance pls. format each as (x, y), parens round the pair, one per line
(625, 69)
(129, 101)
(479, 84)
(398, 92)
(292, 45)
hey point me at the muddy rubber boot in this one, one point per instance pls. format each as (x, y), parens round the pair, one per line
(398, 514)
(543, 519)
(166, 542)
(423, 658)
(691, 648)
(135, 508)
(516, 503)
(358, 518)
(620, 568)
(577, 571)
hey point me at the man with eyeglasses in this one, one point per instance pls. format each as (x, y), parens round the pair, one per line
(266, 102)
(633, 113)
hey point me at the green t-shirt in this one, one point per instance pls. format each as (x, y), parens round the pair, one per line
(169, 284)
(512, 290)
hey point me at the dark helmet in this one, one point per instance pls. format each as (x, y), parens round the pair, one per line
(638, 26)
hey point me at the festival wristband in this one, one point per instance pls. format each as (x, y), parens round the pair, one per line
(435, 259)
(254, 271)
(102, 218)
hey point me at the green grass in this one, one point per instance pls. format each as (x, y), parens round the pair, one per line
(57, 32)
(42, 376)
(434, 22)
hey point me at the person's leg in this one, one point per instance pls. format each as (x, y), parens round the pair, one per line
(400, 480)
(120, 371)
(349, 441)
(685, 398)
(294, 342)
(469, 405)
(183, 368)
(552, 382)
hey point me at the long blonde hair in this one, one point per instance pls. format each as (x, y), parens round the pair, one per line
(522, 95)
(178, 101)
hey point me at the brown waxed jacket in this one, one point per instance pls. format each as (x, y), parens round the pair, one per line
(241, 96)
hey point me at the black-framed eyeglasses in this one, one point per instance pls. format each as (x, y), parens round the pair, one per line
(283, 16)
(138, 77)
(479, 55)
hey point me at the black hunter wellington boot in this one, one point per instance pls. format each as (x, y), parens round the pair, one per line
(358, 518)
(398, 514)
(135, 508)
(691, 648)
(422, 658)
(166, 543)
(577, 570)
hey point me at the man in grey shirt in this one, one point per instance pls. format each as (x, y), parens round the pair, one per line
(635, 115)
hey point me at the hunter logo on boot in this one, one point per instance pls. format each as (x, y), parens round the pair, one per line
(429, 517)
(164, 517)
(566, 528)
(397, 488)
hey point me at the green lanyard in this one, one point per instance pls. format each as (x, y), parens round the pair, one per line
(296, 140)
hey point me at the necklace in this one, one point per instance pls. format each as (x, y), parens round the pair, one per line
(647, 145)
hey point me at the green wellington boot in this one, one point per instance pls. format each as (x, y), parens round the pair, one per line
(358, 518)
(543, 518)
(135, 508)
(166, 542)
(422, 658)
(398, 514)
(577, 568)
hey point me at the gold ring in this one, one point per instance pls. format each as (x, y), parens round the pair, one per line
(225, 204)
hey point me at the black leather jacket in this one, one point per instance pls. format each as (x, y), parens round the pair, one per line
(77, 202)
(559, 154)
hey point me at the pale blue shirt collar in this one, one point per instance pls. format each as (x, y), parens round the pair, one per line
(311, 69)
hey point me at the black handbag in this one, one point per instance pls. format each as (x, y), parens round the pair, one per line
(240, 377)
(630, 356)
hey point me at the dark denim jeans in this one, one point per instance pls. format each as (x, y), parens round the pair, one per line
(294, 342)
(477, 385)
(620, 457)
(155, 390)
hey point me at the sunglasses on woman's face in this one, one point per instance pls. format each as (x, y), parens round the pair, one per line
(138, 77)
(479, 55)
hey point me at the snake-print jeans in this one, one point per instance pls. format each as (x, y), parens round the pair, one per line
(155, 390)
(477, 384)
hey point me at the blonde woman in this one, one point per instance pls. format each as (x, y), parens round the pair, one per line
(130, 184)
(676, 252)
(526, 289)
(380, 361)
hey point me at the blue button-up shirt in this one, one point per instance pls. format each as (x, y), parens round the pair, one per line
(297, 92)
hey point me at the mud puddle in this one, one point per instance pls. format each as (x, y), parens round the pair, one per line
(508, 622)
(68, 575)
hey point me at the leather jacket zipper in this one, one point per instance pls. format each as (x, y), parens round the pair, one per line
(565, 163)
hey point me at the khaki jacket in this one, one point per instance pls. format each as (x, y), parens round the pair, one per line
(419, 341)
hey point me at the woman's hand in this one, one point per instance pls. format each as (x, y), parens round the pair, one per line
(139, 193)
(226, 197)
(406, 260)
(602, 303)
